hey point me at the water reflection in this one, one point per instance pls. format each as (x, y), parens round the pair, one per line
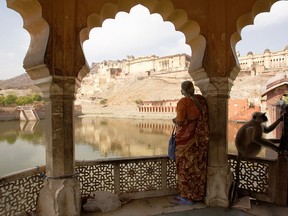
(122, 138)
(22, 145)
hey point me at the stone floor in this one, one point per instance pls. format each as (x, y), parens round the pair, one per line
(162, 206)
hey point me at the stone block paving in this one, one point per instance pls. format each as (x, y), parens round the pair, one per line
(161, 206)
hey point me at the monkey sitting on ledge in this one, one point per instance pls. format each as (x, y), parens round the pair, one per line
(249, 141)
(249, 138)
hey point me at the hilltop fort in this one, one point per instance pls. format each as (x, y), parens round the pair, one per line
(118, 85)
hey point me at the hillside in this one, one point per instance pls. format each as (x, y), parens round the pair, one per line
(249, 86)
(20, 85)
(127, 91)
(22, 81)
(147, 89)
(153, 88)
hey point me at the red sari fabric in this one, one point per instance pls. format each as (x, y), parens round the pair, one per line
(192, 141)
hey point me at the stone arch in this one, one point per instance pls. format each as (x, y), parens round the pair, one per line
(178, 17)
(38, 28)
(259, 6)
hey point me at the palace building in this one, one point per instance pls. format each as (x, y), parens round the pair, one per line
(267, 61)
(101, 73)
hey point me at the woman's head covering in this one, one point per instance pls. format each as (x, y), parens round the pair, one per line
(187, 88)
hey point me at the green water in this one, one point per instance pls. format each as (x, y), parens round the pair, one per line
(22, 145)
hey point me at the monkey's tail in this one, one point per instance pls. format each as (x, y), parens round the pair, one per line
(233, 193)
(237, 169)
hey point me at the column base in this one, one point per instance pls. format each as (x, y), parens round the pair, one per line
(219, 180)
(59, 197)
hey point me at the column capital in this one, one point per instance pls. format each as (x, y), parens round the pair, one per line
(64, 86)
(53, 86)
(219, 87)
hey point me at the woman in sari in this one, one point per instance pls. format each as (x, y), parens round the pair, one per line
(191, 145)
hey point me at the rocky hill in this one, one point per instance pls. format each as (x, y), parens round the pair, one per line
(120, 92)
(249, 86)
(126, 91)
(146, 89)
(20, 86)
(22, 81)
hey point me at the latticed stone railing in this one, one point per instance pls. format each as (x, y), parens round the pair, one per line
(258, 176)
(135, 177)
(18, 191)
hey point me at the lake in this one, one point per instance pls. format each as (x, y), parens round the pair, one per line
(22, 144)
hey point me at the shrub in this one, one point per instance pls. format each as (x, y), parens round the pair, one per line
(139, 102)
(2, 100)
(104, 101)
(22, 100)
(36, 97)
(10, 99)
(285, 99)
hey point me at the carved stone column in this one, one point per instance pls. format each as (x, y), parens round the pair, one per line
(61, 192)
(282, 180)
(219, 177)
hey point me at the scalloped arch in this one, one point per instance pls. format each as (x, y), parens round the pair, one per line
(165, 8)
(38, 28)
(259, 6)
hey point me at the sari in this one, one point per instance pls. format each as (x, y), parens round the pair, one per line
(192, 141)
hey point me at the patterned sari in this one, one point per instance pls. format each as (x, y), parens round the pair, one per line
(191, 154)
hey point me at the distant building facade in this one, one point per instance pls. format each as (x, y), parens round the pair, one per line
(158, 106)
(276, 89)
(259, 63)
(240, 110)
(148, 65)
(102, 73)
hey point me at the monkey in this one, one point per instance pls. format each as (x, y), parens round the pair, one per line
(249, 141)
(284, 136)
(249, 138)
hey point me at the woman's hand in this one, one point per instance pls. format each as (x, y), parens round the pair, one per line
(178, 123)
(174, 120)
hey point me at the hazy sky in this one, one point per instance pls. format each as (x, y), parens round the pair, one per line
(138, 33)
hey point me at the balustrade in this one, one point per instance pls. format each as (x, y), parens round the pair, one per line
(133, 177)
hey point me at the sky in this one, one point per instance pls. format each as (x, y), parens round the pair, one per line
(138, 33)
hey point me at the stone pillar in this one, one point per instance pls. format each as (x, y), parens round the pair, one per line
(61, 192)
(219, 177)
(282, 181)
